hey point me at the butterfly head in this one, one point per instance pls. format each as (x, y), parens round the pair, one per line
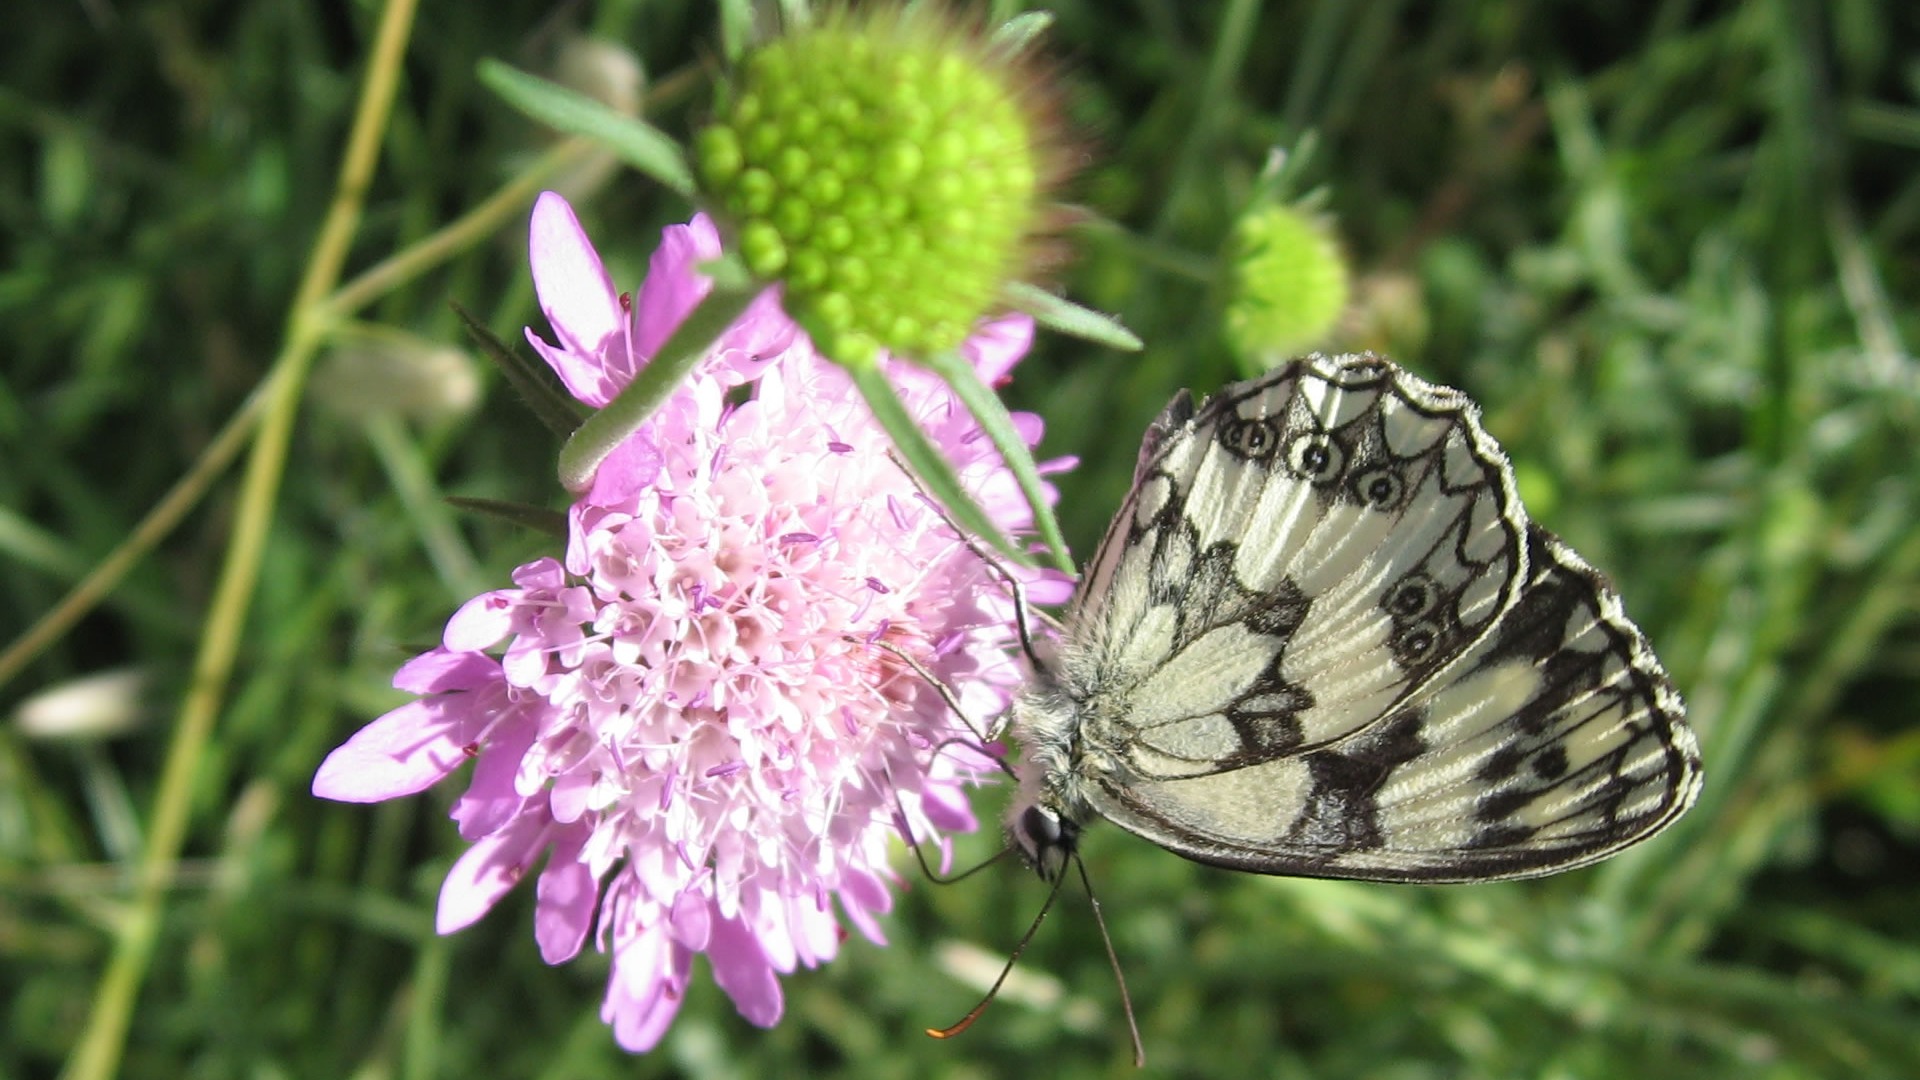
(1047, 840)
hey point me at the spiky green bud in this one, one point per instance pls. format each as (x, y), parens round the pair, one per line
(887, 169)
(1288, 282)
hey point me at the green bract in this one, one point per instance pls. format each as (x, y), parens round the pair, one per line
(885, 171)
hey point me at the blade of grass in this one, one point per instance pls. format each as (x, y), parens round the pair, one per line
(102, 1042)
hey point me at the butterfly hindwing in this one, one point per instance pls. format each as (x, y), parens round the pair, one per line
(1321, 638)
(1555, 742)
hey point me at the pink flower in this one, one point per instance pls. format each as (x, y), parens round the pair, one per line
(692, 715)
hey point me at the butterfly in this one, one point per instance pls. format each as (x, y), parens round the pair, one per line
(1322, 638)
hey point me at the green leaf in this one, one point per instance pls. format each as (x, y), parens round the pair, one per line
(529, 378)
(992, 415)
(736, 28)
(929, 465)
(538, 518)
(633, 140)
(1067, 317)
(605, 430)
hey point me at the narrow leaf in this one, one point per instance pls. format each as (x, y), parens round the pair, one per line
(1058, 313)
(736, 28)
(529, 378)
(929, 465)
(633, 140)
(538, 518)
(991, 414)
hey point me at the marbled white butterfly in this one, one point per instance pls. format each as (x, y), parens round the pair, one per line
(1322, 638)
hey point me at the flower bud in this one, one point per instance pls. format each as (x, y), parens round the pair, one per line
(1288, 283)
(886, 167)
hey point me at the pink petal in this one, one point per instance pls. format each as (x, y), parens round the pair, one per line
(574, 289)
(491, 867)
(439, 670)
(757, 340)
(481, 622)
(632, 466)
(946, 808)
(995, 346)
(1028, 426)
(644, 994)
(584, 375)
(818, 934)
(1049, 588)
(403, 752)
(674, 284)
(566, 897)
(491, 798)
(691, 923)
(741, 969)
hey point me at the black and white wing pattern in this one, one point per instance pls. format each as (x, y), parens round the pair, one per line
(1321, 638)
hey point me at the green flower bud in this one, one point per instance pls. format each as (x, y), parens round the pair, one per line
(1288, 283)
(887, 167)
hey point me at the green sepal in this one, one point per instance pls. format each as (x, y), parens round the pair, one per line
(992, 416)
(930, 467)
(1067, 317)
(1020, 31)
(605, 430)
(538, 518)
(530, 379)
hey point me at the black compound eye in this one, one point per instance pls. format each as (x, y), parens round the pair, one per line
(1316, 458)
(1254, 439)
(1413, 597)
(1042, 828)
(1381, 488)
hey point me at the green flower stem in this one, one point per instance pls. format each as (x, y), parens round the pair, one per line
(99, 1049)
(471, 229)
(991, 413)
(600, 434)
(929, 465)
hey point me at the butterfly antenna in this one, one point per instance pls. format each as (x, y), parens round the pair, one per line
(946, 694)
(994, 990)
(1113, 958)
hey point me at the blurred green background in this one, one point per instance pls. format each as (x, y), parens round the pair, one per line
(1672, 247)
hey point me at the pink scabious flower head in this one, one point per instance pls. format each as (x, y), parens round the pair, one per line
(698, 714)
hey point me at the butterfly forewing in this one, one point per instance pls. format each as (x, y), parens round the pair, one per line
(1322, 638)
(1241, 607)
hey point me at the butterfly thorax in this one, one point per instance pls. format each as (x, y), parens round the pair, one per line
(1056, 770)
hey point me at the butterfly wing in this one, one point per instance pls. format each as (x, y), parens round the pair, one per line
(1553, 743)
(1293, 562)
(1292, 666)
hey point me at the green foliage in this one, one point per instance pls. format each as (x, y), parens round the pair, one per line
(1661, 243)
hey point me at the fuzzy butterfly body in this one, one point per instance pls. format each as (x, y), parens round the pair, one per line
(1321, 638)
